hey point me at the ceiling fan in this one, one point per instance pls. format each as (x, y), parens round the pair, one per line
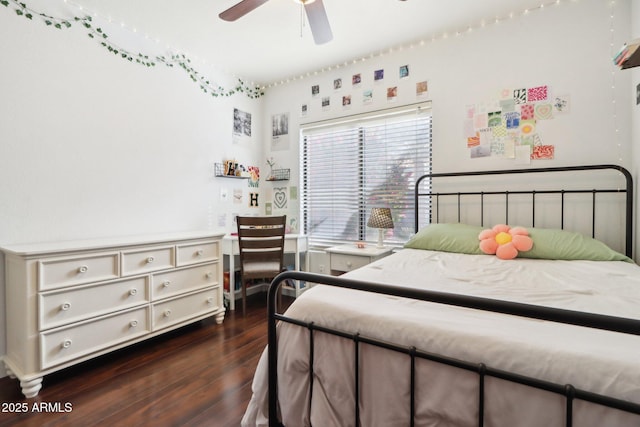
(316, 15)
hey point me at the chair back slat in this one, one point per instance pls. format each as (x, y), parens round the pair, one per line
(270, 243)
(271, 231)
(262, 256)
(260, 220)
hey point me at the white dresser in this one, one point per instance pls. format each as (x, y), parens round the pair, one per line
(71, 301)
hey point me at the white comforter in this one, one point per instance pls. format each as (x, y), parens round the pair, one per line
(599, 361)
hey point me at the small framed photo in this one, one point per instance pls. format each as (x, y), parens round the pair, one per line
(422, 88)
(367, 96)
(404, 71)
(392, 93)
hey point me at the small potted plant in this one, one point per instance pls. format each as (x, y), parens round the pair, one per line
(271, 162)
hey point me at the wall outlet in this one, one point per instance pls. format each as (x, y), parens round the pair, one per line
(321, 268)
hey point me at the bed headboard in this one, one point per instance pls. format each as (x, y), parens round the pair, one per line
(593, 199)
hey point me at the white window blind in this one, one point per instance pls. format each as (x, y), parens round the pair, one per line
(351, 165)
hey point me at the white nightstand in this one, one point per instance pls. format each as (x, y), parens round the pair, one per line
(349, 257)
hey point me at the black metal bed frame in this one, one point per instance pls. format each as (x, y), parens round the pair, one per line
(610, 323)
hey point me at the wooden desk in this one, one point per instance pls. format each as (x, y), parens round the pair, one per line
(293, 244)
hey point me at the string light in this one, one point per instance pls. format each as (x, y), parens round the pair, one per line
(174, 52)
(483, 23)
(458, 33)
(613, 83)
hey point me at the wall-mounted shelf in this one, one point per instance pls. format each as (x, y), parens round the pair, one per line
(279, 175)
(221, 172)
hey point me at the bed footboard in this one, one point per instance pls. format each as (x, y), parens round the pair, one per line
(483, 370)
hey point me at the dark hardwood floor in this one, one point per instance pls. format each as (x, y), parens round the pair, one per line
(199, 375)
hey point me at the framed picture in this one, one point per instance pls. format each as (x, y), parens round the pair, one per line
(422, 88)
(404, 71)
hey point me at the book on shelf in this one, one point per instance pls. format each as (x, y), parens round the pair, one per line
(628, 56)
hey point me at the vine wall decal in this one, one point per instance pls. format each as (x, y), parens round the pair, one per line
(177, 60)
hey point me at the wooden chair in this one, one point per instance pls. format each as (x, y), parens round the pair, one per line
(261, 243)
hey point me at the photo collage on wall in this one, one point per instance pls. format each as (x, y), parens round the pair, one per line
(278, 204)
(345, 94)
(231, 168)
(510, 125)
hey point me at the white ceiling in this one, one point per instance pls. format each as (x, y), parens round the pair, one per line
(270, 44)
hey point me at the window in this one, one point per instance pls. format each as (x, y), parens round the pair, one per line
(351, 165)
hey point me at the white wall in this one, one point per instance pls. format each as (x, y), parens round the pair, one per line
(568, 47)
(92, 145)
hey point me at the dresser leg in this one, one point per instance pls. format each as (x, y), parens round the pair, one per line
(219, 318)
(32, 387)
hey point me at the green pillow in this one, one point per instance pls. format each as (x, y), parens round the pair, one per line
(547, 243)
(447, 237)
(568, 245)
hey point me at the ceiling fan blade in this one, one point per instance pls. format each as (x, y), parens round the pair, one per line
(318, 21)
(240, 9)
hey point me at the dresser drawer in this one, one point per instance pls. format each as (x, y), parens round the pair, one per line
(64, 344)
(342, 262)
(146, 260)
(197, 252)
(58, 308)
(171, 312)
(171, 283)
(61, 272)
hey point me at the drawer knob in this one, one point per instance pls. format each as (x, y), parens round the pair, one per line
(166, 283)
(349, 264)
(65, 306)
(83, 269)
(209, 275)
(133, 323)
(210, 300)
(150, 260)
(133, 292)
(167, 313)
(66, 344)
(200, 252)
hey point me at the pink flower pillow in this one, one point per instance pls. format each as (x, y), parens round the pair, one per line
(505, 242)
